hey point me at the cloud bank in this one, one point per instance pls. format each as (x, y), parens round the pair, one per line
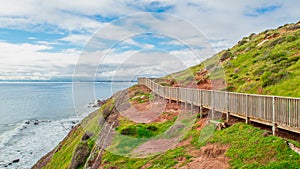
(44, 40)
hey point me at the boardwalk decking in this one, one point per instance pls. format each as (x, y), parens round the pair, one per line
(278, 112)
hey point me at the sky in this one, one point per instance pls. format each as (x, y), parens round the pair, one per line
(110, 39)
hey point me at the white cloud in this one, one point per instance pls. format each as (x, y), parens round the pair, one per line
(69, 15)
(27, 61)
(77, 39)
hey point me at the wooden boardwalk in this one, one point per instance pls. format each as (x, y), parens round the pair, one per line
(278, 112)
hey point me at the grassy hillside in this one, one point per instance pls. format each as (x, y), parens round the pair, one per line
(266, 63)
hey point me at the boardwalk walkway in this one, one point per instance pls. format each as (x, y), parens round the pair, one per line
(278, 112)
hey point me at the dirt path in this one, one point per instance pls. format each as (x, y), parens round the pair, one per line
(145, 112)
(211, 156)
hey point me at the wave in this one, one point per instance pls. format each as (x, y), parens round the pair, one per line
(29, 140)
(8, 135)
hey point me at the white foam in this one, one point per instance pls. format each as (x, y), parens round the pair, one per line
(31, 142)
(7, 136)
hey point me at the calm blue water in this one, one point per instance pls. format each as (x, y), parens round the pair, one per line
(55, 105)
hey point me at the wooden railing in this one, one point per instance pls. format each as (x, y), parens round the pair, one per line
(279, 112)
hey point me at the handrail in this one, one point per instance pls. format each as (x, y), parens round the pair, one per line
(277, 111)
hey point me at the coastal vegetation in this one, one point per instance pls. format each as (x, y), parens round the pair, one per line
(264, 63)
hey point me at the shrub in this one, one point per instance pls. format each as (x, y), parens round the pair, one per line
(272, 78)
(230, 88)
(291, 38)
(259, 71)
(277, 41)
(152, 128)
(131, 131)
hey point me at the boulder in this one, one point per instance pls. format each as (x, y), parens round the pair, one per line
(100, 103)
(16, 160)
(86, 136)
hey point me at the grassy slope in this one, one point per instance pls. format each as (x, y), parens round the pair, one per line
(63, 156)
(266, 63)
(270, 68)
(250, 149)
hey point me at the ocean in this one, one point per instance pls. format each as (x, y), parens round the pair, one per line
(35, 117)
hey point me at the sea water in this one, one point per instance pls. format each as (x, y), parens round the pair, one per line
(35, 117)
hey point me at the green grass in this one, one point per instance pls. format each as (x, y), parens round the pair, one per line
(63, 157)
(143, 130)
(113, 160)
(162, 161)
(135, 134)
(250, 149)
(269, 68)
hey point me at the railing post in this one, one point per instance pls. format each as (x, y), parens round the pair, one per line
(274, 125)
(170, 100)
(177, 95)
(200, 103)
(201, 97)
(212, 105)
(246, 107)
(185, 104)
(227, 107)
(200, 111)
(289, 107)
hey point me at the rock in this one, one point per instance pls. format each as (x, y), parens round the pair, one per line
(135, 97)
(100, 102)
(73, 122)
(94, 106)
(9, 163)
(236, 70)
(27, 122)
(293, 27)
(265, 134)
(86, 136)
(225, 55)
(79, 156)
(36, 123)
(294, 148)
(16, 161)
